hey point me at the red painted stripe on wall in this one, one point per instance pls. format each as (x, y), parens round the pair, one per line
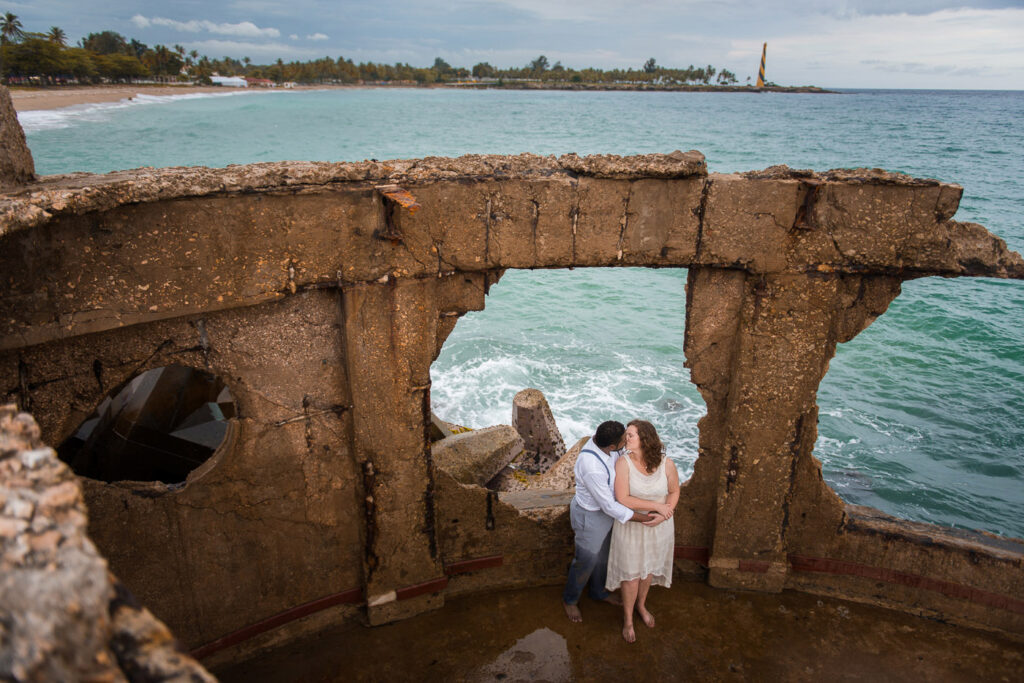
(352, 596)
(474, 564)
(977, 596)
(432, 586)
(754, 566)
(693, 553)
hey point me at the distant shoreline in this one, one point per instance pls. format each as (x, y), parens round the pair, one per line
(634, 87)
(59, 97)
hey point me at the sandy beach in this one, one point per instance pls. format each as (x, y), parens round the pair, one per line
(35, 99)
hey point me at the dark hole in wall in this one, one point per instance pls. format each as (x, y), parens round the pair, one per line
(159, 426)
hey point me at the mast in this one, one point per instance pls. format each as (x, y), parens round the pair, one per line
(760, 73)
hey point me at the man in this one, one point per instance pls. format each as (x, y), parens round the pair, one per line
(592, 511)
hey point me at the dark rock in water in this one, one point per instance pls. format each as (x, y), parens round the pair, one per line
(670, 405)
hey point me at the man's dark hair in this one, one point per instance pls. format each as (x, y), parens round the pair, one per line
(608, 434)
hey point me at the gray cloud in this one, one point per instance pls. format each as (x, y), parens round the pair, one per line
(244, 29)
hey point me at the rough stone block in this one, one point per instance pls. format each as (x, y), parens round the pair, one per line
(662, 221)
(449, 231)
(16, 165)
(57, 599)
(559, 476)
(747, 222)
(475, 457)
(532, 418)
(438, 428)
(600, 222)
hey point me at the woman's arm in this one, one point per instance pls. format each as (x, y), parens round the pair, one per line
(636, 504)
(673, 483)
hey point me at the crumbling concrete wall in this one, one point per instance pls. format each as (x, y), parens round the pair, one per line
(63, 617)
(321, 299)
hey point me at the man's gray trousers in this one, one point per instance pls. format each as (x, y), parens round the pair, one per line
(590, 565)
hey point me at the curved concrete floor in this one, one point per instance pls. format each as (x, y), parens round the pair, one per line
(702, 634)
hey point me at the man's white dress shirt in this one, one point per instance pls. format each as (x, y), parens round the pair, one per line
(595, 483)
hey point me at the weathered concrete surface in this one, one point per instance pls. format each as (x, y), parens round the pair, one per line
(54, 590)
(476, 457)
(63, 617)
(532, 418)
(530, 547)
(439, 429)
(322, 304)
(543, 448)
(16, 164)
(558, 476)
(702, 634)
(479, 214)
(275, 502)
(786, 332)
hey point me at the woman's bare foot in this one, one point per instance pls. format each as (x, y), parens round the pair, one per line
(628, 634)
(647, 617)
(573, 612)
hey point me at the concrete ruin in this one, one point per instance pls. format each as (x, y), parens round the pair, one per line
(64, 616)
(320, 294)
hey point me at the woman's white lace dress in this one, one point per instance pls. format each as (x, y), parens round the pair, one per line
(639, 550)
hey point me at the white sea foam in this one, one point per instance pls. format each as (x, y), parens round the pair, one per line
(66, 117)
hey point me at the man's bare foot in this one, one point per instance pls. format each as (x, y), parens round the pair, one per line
(614, 599)
(628, 634)
(647, 617)
(573, 612)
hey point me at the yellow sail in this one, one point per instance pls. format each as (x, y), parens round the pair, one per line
(760, 72)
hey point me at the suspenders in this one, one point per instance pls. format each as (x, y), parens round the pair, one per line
(603, 463)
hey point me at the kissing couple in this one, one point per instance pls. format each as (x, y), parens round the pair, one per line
(626, 491)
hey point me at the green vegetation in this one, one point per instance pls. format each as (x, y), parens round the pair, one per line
(107, 57)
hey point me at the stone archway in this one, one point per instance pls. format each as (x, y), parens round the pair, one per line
(322, 292)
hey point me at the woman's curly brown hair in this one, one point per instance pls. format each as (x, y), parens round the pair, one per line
(650, 444)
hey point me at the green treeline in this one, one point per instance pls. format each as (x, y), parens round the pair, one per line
(108, 57)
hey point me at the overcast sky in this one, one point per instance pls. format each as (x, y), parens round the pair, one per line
(852, 44)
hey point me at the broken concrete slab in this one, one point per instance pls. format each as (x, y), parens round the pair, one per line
(475, 457)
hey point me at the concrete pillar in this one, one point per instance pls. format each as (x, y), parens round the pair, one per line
(393, 330)
(389, 333)
(532, 418)
(780, 331)
(16, 165)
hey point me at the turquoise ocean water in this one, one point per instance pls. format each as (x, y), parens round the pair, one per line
(922, 414)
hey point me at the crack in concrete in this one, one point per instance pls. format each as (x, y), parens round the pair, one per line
(761, 214)
(624, 221)
(701, 212)
(536, 223)
(487, 235)
(787, 500)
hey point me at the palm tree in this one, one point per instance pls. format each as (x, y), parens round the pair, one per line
(57, 35)
(10, 29)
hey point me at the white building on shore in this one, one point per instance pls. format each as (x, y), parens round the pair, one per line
(229, 81)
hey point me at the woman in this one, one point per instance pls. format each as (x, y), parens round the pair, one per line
(641, 554)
